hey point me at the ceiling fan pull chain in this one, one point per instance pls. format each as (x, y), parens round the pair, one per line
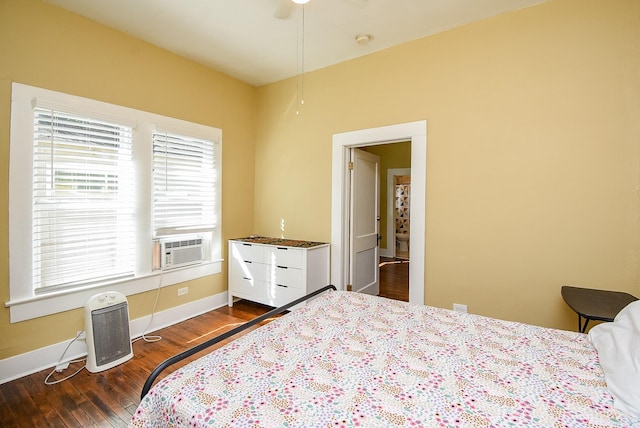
(300, 60)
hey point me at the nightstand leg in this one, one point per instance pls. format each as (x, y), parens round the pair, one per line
(582, 328)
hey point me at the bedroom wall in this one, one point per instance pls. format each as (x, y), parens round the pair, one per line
(42, 45)
(533, 153)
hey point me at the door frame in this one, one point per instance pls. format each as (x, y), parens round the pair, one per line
(416, 132)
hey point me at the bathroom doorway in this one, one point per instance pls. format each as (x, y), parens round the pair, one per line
(398, 213)
(394, 265)
(402, 214)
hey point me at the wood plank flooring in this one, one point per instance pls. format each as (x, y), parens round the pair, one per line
(109, 398)
(394, 278)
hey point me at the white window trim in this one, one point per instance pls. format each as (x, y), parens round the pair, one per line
(24, 303)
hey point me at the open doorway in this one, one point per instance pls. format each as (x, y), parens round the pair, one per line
(395, 218)
(400, 200)
(416, 133)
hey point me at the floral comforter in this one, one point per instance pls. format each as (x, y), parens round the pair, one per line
(349, 359)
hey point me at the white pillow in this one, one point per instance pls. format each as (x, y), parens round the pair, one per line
(618, 346)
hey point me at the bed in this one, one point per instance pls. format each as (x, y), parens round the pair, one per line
(347, 359)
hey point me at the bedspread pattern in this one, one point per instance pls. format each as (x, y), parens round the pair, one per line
(349, 359)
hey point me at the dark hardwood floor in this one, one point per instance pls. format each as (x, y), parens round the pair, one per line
(394, 278)
(109, 398)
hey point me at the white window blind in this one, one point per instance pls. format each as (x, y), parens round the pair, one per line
(184, 184)
(83, 200)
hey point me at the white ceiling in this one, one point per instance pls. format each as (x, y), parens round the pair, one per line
(247, 40)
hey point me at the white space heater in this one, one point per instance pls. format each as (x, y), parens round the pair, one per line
(106, 319)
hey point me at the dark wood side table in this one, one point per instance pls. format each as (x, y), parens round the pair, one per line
(590, 304)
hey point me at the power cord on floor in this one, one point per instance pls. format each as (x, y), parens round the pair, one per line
(60, 363)
(228, 327)
(151, 339)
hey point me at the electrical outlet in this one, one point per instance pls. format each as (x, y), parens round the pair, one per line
(183, 291)
(459, 308)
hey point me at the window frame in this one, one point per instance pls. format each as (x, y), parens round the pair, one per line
(82, 201)
(171, 199)
(24, 303)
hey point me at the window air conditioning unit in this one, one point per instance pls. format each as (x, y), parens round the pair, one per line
(181, 252)
(106, 318)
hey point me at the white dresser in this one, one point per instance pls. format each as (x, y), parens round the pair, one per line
(276, 271)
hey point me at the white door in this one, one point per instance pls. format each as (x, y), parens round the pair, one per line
(364, 222)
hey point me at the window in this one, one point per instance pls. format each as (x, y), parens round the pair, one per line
(92, 188)
(83, 224)
(184, 176)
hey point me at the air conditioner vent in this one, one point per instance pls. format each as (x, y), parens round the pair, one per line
(182, 252)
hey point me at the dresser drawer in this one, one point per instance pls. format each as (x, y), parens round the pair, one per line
(284, 256)
(248, 287)
(248, 270)
(279, 295)
(248, 252)
(290, 277)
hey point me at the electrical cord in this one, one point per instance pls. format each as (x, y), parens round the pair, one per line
(226, 326)
(46, 380)
(151, 339)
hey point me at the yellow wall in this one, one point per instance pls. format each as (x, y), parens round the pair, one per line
(533, 153)
(41, 45)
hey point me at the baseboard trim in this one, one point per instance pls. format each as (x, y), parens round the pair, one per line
(385, 252)
(18, 366)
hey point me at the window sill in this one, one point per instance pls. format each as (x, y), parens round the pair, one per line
(23, 309)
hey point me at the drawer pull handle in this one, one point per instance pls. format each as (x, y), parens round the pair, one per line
(282, 248)
(247, 278)
(283, 286)
(247, 261)
(282, 267)
(246, 245)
